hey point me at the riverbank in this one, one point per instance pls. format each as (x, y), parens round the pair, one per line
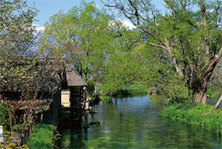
(212, 93)
(122, 91)
(200, 114)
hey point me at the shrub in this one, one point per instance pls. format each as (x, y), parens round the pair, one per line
(9, 144)
(213, 93)
(4, 120)
(105, 98)
(41, 137)
(135, 89)
(199, 114)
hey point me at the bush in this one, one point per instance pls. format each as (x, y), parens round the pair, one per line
(105, 98)
(8, 144)
(199, 114)
(95, 99)
(4, 120)
(41, 137)
(213, 93)
(135, 89)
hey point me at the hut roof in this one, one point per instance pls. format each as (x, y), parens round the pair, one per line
(43, 75)
(74, 80)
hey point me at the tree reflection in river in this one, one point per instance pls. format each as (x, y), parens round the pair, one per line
(134, 122)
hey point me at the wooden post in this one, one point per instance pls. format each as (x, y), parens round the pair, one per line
(84, 94)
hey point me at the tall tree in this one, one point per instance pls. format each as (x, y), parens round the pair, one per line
(16, 27)
(188, 36)
(124, 64)
(16, 38)
(81, 36)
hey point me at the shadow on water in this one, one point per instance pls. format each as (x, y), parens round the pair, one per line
(134, 122)
(73, 138)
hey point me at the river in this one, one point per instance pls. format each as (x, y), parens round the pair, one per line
(134, 122)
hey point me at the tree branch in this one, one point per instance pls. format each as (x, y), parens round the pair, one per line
(174, 60)
(150, 43)
(212, 65)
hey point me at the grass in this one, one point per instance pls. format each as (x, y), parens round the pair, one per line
(199, 114)
(122, 91)
(213, 93)
(41, 137)
(132, 90)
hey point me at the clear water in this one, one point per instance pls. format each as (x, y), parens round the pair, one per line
(134, 122)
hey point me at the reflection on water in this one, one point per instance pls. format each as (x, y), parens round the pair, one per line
(134, 122)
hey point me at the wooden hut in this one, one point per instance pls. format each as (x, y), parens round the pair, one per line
(74, 84)
(37, 89)
(77, 97)
(45, 79)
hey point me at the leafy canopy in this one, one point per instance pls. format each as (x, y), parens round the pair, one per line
(81, 36)
(187, 36)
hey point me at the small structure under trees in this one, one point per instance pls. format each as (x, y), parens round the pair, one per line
(77, 96)
(36, 94)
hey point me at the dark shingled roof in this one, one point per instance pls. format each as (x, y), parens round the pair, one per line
(74, 80)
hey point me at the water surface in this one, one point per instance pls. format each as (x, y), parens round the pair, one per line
(134, 122)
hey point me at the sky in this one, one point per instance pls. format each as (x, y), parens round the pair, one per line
(48, 8)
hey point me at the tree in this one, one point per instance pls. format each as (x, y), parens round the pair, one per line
(16, 35)
(81, 36)
(44, 78)
(188, 36)
(16, 27)
(124, 64)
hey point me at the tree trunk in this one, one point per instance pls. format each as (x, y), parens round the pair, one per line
(200, 91)
(200, 97)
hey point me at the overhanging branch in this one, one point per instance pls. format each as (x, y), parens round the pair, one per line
(212, 65)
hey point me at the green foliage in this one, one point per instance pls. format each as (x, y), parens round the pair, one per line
(156, 98)
(105, 98)
(123, 91)
(4, 120)
(16, 26)
(125, 64)
(90, 87)
(199, 114)
(126, 90)
(9, 144)
(213, 93)
(184, 43)
(41, 137)
(135, 89)
(95, 99)
(82, 35)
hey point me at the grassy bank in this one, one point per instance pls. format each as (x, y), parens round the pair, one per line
(199, 114)
(41, 137)
(132, 90)
(122, 91)
(212, 93)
